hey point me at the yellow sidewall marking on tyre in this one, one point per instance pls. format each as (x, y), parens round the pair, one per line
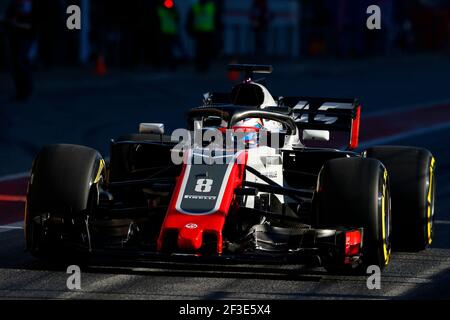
(100, 169)
(386, 251)
(25, 214)
(429, 200)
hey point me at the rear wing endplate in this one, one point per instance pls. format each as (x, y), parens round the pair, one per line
(331, 114)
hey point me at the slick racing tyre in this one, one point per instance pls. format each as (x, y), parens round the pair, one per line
(63, 187)
(354, 193)
(411, 173)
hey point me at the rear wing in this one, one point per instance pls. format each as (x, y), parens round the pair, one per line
(250, 69)
(331, 114)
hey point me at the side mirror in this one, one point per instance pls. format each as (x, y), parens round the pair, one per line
(318, 135)
(157, 128)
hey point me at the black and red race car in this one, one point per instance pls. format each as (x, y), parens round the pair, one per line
(252, 178)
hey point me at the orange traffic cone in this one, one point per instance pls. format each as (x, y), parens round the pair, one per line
(100, 65)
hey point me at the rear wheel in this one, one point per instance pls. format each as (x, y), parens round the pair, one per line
(63, 189)
(411, 172)
(354, 193)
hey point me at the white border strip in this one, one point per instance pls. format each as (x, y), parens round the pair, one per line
(404, 135)
(14, 176)
(386, 111)
(11, 227)
(446, 222)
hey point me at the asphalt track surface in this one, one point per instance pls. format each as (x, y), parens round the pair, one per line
(408, 93)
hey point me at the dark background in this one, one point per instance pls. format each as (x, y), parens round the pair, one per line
(127, 33)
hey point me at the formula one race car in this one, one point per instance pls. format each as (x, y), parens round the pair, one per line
(251, 179)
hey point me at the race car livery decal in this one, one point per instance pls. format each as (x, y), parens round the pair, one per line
(203, 186)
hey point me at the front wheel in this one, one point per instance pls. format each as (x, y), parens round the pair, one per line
(63, 186)
(354, 193)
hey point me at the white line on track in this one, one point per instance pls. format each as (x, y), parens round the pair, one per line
(387, 111)
(404, 135)
(11, 227)
(442, 222)
(14, 176)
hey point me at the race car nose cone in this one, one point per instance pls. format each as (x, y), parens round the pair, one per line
(190, 238)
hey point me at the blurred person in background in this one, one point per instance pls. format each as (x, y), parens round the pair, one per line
(382, 42)
(20, 27)
(128, 20)
(317, 27)
(402, 15)
(168, 18)
(351, 28)
(202, 25)
(52, 33)
(431, 23)
(260, 18)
